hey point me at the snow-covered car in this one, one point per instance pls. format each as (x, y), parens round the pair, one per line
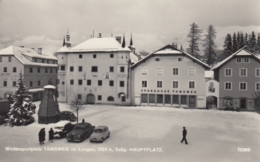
(100, 134)
(80, 132)
(29, 120)
(62, 128)
(67, 115)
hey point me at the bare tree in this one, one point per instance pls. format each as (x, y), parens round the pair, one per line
(76, 104)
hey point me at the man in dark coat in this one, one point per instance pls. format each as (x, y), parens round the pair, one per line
(184, 133)
(51, 133)
(42, 136)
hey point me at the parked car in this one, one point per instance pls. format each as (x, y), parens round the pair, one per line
(62, 128)
(229, 109)
(2, 119)
(100, 134)
(67, 115)
(29, 120)
(80, 132)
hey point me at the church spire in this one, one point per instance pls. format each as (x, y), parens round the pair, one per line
(123, 44)
(64, 42)
(131, 41)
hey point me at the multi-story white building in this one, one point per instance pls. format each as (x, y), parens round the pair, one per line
(169, 77)
(95, 71)
(38, 68)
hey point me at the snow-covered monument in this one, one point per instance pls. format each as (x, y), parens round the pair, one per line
(49, 111)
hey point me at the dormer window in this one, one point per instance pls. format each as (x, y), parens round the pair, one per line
(246, 60)
(239, 60)
(179, 59)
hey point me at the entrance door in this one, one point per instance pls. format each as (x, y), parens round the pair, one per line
(243, 103)
(211, 102)
(123, 98)
(90, 99)
(192, 101)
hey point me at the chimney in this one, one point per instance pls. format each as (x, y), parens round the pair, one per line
(21, 46)
(100, 35)
(40, 51)
(118, 38)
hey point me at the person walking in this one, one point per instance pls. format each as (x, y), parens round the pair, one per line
(42, 136)
(51, 133)
(184, 134)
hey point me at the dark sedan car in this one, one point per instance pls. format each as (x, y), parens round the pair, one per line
(67, 115)
(62, 128)
(80, 132)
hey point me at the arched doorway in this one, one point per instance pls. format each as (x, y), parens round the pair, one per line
(90, 99)
(212, 102)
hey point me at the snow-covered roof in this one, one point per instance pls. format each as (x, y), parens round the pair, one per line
(20, 54)
(49, 87)
(63, 49)
(96, 44)
(36, 90)
(133, 57)
(62, 123)
(169, 49)
(240, 52)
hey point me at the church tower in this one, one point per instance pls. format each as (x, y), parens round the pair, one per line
(67, 42)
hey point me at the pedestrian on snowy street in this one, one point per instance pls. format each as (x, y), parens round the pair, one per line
(42, 136)
(51, 133)
(184, 133)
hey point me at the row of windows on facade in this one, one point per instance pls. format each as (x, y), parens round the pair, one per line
(34, 60)
(93, 68)
(175, 71)
(243, 60)
(242, 86)
(95, 55)
(5, 70)
(175, 84)
(168, 99)
(228, 101)
(99, 83)
(242, 72)
(99, 98)
(14, 83)
(158, 59)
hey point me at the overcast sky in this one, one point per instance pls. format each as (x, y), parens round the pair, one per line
(153, 23)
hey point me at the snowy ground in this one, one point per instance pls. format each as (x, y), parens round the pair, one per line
(213, 136)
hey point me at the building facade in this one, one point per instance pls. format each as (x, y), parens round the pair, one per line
(95, 71)
(38, 68)
(169, 77)
(239, 79)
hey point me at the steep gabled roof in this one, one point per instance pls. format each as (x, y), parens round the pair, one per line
(170, 50)
(240, 52)
(95, 45)
(19, 53)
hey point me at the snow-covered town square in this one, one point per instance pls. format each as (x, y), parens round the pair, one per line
(144, 134)
(129, 80)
